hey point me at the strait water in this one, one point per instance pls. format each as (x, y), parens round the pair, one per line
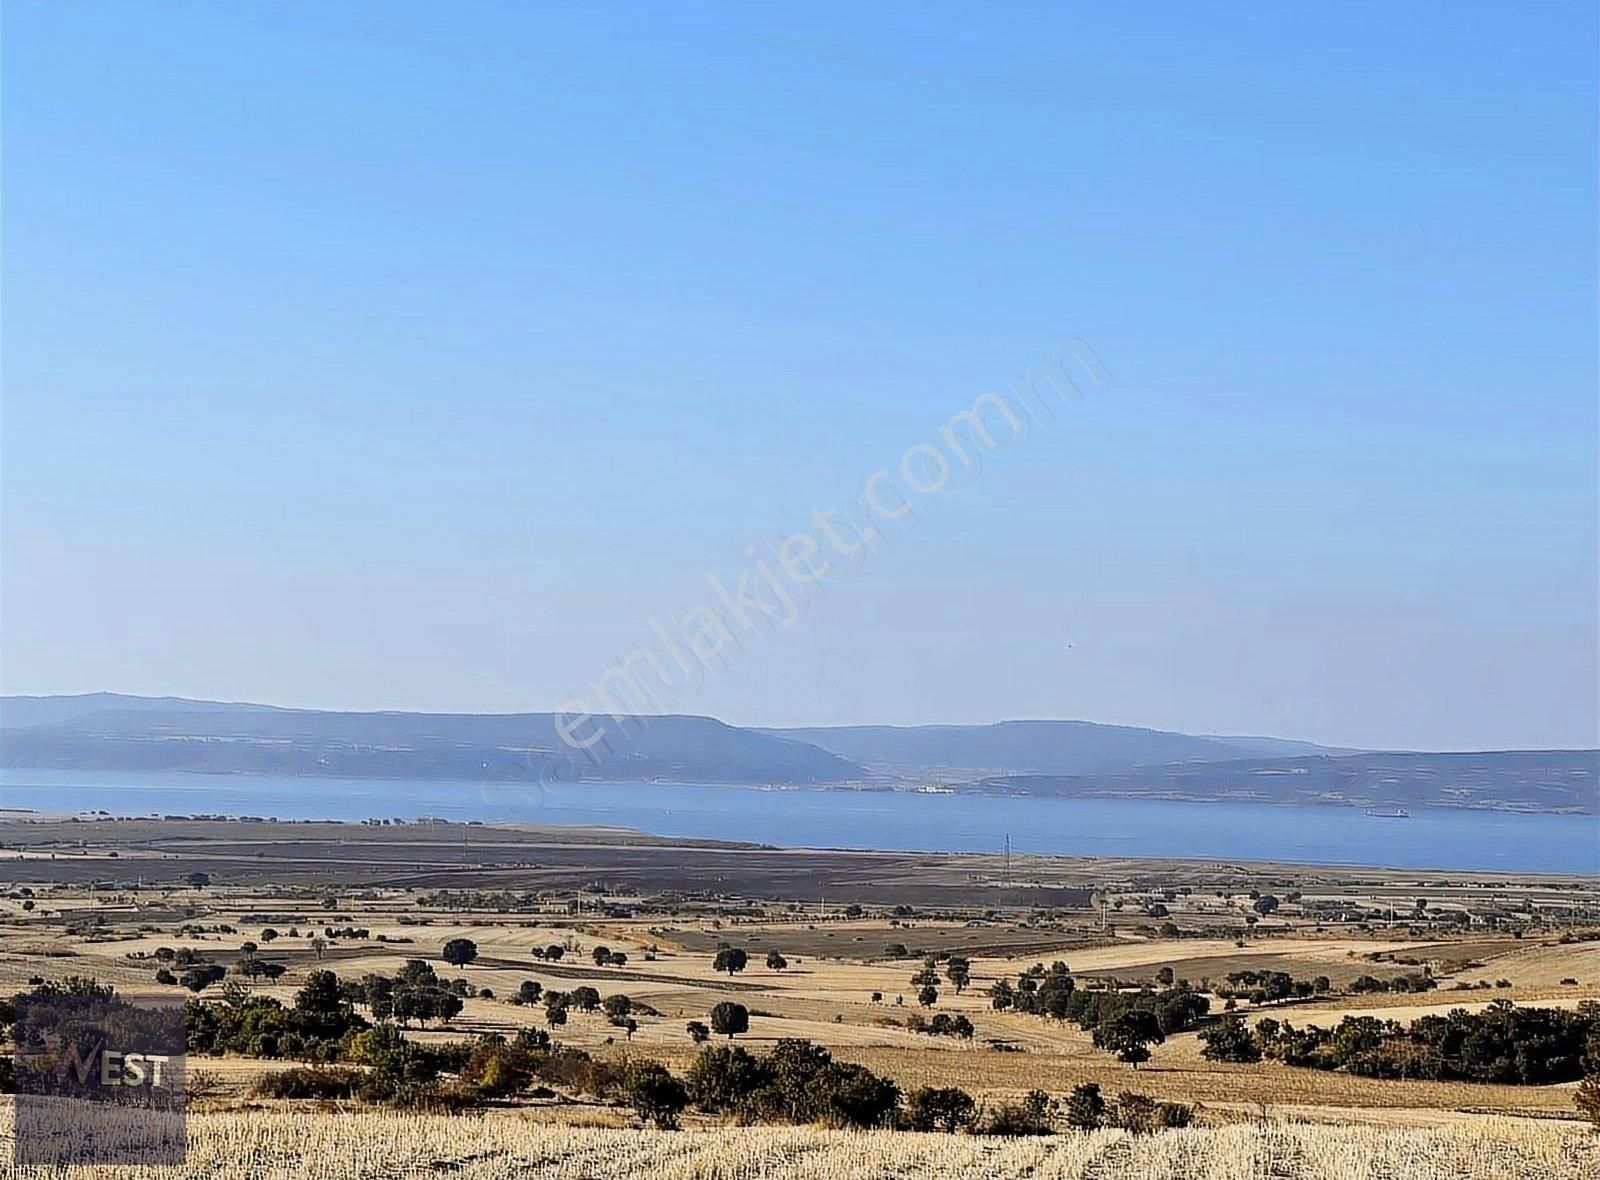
(1431, 838)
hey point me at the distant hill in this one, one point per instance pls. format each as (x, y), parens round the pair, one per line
(1023, 747)
(109, 732)
(1507, 780)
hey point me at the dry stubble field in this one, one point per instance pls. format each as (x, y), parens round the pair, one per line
(503, 1146)
(1254, 1121)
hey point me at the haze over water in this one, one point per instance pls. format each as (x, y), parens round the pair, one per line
(1446, 838)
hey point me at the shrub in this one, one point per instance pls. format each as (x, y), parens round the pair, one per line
(723, 1078)
(499, 1069)
(1031, 1116)
(1230, 1041)
(853, 1096)
(576, 1070)
(310, 1082)
(1588, 1099)
(655, 1095)
(942, 1109)
(798, 1082)
(1086, 1107)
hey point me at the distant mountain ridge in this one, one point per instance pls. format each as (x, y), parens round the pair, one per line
(113, 732)
(1021, 747)
(1499, 780)
(105, 731)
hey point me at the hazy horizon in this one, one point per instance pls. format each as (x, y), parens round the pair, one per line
(783, 725)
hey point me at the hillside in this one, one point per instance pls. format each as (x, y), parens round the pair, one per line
(104, 732)
(1019, 747)
(1508, 780)
(108, 732)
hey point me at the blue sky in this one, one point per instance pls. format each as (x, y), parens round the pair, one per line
(415, 356)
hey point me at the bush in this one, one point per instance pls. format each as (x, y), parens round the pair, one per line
(1588, 1099)
(1031, 1116)
(1086, 1107)
(943, 1109)
(1230, 1041)
(497, 1070)
(852, 1096)
(1140, 1114)
(655, 1095)
(574, 1069)
(798, 1082)
(722, 1079)
(310, 1082)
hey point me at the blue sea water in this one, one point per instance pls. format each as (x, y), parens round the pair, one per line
(1431, 838)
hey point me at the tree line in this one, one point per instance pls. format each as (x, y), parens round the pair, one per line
(1503, 1043)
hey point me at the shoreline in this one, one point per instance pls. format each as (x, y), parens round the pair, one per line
(841, 788)
(595, 836)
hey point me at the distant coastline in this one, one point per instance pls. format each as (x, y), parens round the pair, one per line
(1037, 759)
(891, 820)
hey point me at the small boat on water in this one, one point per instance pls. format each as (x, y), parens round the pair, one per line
(1390, 813)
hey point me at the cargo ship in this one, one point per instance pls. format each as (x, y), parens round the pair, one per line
(1389, 813)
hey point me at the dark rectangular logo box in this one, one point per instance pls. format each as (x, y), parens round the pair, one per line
(99, 1078)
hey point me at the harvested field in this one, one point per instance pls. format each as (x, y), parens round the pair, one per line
(289, 1146)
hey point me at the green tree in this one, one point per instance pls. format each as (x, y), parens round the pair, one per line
(775, 961)
(458, 952)
(1128, 1034)
(730, 959)
(730, 1019)
(202, 976)
(698, 1032)
(1230, 1040)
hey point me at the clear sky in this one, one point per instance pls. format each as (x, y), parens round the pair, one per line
(416, 355)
